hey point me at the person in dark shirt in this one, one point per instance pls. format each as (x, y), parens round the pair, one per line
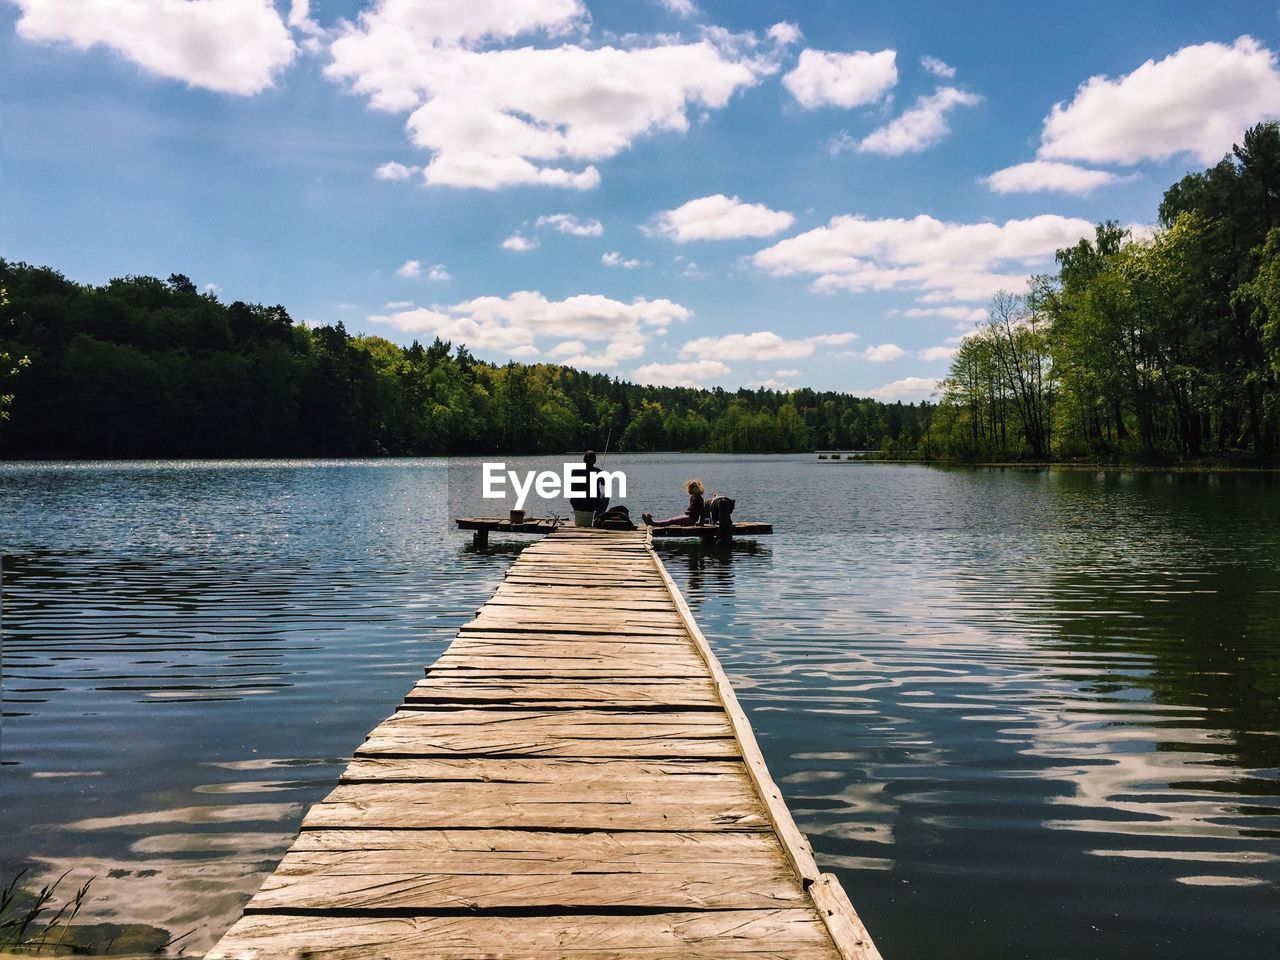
(588, 477)
(692, 513)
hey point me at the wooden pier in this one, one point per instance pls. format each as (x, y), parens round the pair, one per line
(574, 778)
(481, 527)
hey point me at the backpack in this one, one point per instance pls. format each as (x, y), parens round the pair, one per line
(615, 518)
(720, 510)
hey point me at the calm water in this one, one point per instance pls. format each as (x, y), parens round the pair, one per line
(1021, 714)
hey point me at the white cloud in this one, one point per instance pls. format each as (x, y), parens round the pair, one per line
(937, 67)
(609, 358)
(513, 325)
(615, 259)
(300, 15)
(1043, 175)
(399, 305)
(931, 354)
(212, 288)
(496, 117)
(692, 374)
(946, 261)
(841, 79)
(1195, 101)
(413, 270)
(681, 8)
(969, 314)
(391, 170)
(568, 223)
(920, 127)
(908, 389)
(300, 19)
(764, 345)
(786, 373)
(232, 46)
(772, 383)
(784, 34)
(718, 217)
(519, 243)
(883, 353)
(485, 171)
(567, 348)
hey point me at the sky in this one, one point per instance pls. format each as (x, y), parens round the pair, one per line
(685, 192)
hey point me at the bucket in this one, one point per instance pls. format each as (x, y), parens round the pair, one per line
(583, 518)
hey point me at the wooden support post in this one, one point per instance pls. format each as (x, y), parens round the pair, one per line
(480, 538)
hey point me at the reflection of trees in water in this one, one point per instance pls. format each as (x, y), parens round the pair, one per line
(707, 568)
(1189, 600)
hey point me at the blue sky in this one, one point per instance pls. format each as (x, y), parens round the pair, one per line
(311, 154)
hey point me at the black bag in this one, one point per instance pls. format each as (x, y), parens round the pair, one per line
(720, 510)
(615, 518)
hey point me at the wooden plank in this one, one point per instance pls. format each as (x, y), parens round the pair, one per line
(685, 775)
(573, 595)
(748, 528)
(518, 638)
(613, 805)
(579, 669)
(614, 620)
(716, 846)
(679, 744)
(847, 931)
(795, 934)
(582, 627)
(551, 733)
(628, 649)
(444, 688)
(526, 601)
(388, 881)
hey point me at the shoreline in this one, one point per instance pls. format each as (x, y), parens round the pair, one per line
(1206, 467)
(1078, 466)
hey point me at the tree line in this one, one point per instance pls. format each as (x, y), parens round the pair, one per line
(1162, 347)
(143, 367)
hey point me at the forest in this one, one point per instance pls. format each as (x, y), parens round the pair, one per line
(1161, 348)
(143, 367)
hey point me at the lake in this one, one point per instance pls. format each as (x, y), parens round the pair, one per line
(1020, 713)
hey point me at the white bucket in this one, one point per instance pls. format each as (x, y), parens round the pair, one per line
(583, 518)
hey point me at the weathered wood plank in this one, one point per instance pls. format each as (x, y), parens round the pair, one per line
(727, 846)
(638, 805)
(537, 666)
(494, 625)
(551, 733)
(793, 934)
(686, 775)
(628, 649)
(441, 880)
(540, 690)
(515, 638)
